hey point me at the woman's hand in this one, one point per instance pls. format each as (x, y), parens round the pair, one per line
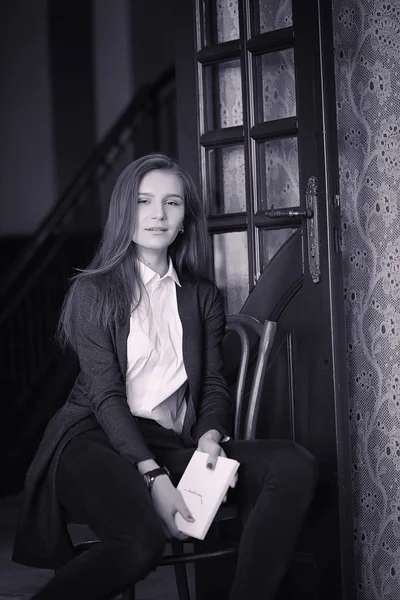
(209, 443)
(168, 501)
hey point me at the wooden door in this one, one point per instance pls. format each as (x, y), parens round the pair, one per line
(269, 182)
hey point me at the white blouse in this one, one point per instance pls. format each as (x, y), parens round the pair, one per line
(156, 379)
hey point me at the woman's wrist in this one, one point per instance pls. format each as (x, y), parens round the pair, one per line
(151, 476)
(146, 465)
(212, 434)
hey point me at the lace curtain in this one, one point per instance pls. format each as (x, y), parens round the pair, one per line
(367, 59)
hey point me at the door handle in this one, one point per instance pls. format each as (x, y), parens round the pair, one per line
(294, 213)
(314, 262)
(311, 214)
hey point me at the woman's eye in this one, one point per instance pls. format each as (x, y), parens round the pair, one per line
(173, 202)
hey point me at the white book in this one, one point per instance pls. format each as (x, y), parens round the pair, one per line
(203, 491)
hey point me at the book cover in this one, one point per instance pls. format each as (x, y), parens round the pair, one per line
(203, 491)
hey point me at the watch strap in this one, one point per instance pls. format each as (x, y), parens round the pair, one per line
(150, 476)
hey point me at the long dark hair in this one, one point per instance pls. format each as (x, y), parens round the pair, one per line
(114, 270)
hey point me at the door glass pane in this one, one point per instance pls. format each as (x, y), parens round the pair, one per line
(227, 20)
(275, 81)
(279, 173)
(270, 15)
(231, 268)
(223, 95)
(226, 181)
(270, 242)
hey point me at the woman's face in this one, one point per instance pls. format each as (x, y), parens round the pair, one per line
(160, 211)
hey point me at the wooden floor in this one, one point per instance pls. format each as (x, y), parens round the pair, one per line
(20, 583)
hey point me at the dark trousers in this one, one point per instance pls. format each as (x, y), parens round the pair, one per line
(96, 486)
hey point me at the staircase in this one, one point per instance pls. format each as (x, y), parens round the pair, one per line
(35, 376)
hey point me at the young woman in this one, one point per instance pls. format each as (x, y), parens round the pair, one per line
(147, 324)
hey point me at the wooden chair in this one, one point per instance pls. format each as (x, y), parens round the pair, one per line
(244, 428)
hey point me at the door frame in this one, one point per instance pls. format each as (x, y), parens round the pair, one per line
(338, 326)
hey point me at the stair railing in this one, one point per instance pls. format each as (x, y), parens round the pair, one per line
(32, 289)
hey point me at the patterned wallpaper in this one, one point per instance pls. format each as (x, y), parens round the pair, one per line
(367, 48)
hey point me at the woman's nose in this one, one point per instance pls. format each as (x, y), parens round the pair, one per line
(159, 212)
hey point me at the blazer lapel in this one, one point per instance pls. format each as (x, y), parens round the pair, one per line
(192, 355)
(187, 304)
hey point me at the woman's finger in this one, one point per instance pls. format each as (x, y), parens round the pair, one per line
(173, 530)
(213, 455)
(183, 509)
(212, 459)
(234, 481)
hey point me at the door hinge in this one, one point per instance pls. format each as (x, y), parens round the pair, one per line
(337, 224)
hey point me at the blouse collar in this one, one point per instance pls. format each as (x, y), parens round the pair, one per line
(147, 274)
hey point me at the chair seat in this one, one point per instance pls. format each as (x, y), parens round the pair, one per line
(179, 556)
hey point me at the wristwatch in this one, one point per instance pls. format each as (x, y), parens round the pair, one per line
(150, 476)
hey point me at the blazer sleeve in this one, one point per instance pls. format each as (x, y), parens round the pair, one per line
(216, 408)
(104, 382)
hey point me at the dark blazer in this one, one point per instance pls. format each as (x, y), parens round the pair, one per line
(98, 397)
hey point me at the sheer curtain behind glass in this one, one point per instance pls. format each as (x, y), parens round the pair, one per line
(280, 159)
(230, 249)
(230, 94)
(227, 20)
(275, 14)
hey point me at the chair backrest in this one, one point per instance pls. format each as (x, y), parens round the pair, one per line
(241, 324)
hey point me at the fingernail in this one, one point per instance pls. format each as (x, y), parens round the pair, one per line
(190, 518)
(209, 465)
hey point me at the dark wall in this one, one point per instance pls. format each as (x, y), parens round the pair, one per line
(152, 37)
(71, 67)
(162, 35)
(27, 173)
(113, 70)
(185, 64)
